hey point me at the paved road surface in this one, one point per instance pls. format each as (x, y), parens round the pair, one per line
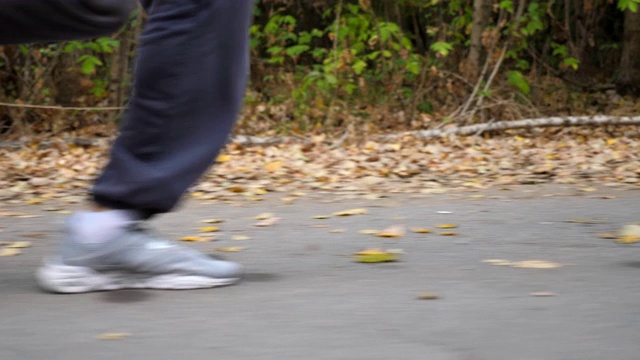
(304, 299)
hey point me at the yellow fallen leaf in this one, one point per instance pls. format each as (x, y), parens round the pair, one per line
(273, 166)
(240, 237)
(375, 256)
(264, 216)
(446, 226)
(212, 221)
(321, 217)
(288, 199)
(230, 248)
(420, 230)
(10, 252)
(336, 231)
(368, 232)
(196, 238)
(222, 158)
(542, 294)
(428, 296)
(267, 222)
(448, 233)
(33, 201)
(207, 229)
(261, 191)
(374, 251)
(19, 245)
(197, 195)
(629, 234)
(395, 231)
(113, 336)
(498, 262)
(351, 212)
(536, 264)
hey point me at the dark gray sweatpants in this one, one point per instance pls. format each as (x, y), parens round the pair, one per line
(191, 73)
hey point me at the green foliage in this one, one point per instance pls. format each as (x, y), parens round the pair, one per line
(628, 5)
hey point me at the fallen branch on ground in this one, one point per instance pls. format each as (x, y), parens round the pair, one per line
(557, 121)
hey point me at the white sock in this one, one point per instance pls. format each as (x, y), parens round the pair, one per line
(96, 227)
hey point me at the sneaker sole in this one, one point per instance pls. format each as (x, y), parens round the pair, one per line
(74, 279)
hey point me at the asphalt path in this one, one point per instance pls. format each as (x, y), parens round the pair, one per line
(305, 298)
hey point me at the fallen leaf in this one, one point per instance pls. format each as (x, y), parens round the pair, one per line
(335, 231)
(375, 256)
(273, 166)
(629, 234)
(586, 221)
(267, 222)
(212, 221)
(230, 248)
(223, 158)
(536, 264)
(395, 231)
(240, 237)
(196, 238)
(607, 236)
(588, 189)
(52, 209)
(446, 226)
(264, 216)
(420, 230)
(208, 229)
(428, 296)
(351, 212)
(10, 252)
(19, 245)
(321, 217)
(33, 201)
(448, 233)
(113, 336)
(542, 294)
(498, 262)
(368, 232)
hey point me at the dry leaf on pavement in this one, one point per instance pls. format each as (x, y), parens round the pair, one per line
(197, 238)
(19, 245)
(447, 226)
(267, 222)
(212, 221)
(113, 336)
(230, 248)
(264, 216)
(629, 234)
(375, 256)
(208, 229)
(395, 231)
(419, 230)
(351, 212)
(10, 252)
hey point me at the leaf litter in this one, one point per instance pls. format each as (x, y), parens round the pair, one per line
(62, 170)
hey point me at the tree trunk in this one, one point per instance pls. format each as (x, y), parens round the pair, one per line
(628, 81)
(481, 12)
